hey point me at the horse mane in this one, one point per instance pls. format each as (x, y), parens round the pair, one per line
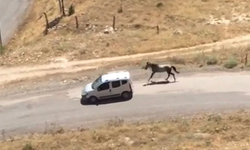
(154, 64)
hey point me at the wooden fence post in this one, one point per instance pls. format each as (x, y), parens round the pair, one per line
(246, 58)
(47, 24)
(77, 23)
(114, 19)
(1, 41)
(3, 135)
(63, 10)
(60, 6)
(157, 29)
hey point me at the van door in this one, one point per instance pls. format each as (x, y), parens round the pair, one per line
(127, 86)
(116, 88)
(104, 91)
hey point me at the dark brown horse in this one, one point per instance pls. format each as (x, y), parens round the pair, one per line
(156, 68)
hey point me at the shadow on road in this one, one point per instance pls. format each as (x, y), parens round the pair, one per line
(107, 101)
(159, 83)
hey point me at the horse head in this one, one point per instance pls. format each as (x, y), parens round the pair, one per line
(148, 64)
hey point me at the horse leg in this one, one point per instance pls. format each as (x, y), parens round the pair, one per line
(152, 74)
(168, 76)
(173, 76)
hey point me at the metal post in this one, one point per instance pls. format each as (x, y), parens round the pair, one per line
(1, 41)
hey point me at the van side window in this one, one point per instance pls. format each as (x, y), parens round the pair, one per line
(116, 84)
(104, 86)
(124, 82)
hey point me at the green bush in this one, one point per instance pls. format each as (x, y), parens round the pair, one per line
(231, 63)
(248, 65)
(160, 4)
(28, 147)
(120, 10)
(71, 10)
(212, 60)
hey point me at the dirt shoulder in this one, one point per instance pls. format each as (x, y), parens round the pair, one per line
(62, 81)
(201, 131)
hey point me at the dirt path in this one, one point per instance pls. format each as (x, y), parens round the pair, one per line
(20, 73)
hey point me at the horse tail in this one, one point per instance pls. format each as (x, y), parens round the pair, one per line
(175, 69)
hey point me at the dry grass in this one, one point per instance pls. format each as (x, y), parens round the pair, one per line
(226, 57)
(215, 131)
(182, 24)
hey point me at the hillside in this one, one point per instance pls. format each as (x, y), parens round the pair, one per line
(181, 24)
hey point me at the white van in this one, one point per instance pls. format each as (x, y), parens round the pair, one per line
(116, 84)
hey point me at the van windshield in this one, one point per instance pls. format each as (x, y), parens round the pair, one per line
(97, 82)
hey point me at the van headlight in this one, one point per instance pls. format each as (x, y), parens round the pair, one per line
(84, 92)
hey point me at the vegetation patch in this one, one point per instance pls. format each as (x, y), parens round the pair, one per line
(204, 131)
(231, 63)
(212, 60)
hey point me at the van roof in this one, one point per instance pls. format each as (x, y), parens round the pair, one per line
(116, 75)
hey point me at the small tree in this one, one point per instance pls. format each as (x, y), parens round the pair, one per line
(71, 10)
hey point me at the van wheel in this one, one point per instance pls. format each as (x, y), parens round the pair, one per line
(83, 101)
(126, 95)
(92, 99)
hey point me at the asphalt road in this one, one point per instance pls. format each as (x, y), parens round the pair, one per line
(11, 15)
(190, 94)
